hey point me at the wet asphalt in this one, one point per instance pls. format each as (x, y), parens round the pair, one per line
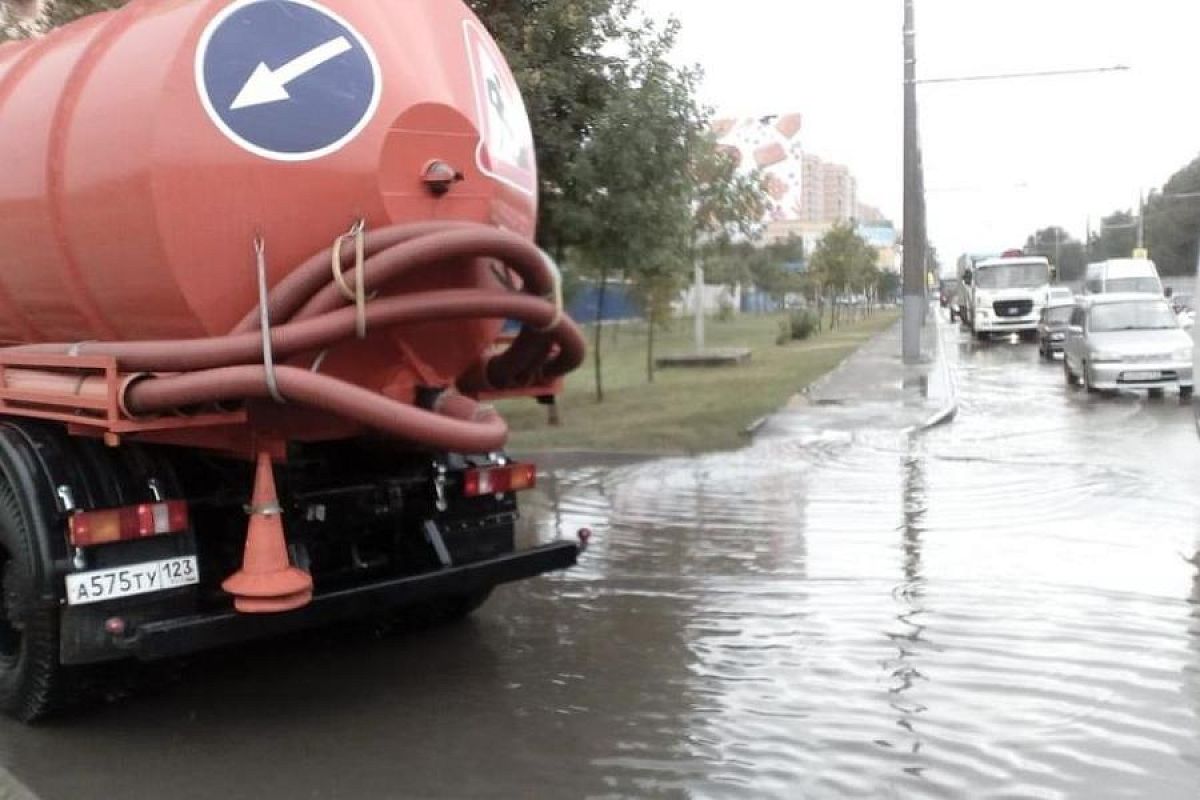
(1000, 607)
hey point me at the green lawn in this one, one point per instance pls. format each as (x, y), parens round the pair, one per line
(684, 410)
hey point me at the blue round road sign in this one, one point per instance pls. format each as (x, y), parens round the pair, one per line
(286, 79)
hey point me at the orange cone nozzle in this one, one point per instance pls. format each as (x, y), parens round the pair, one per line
(267, 583)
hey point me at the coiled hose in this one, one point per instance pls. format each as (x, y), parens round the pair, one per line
(308, 313)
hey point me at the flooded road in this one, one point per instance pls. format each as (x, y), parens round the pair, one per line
(1001, 607)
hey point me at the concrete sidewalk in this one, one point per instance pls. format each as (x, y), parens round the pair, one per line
(874, 388)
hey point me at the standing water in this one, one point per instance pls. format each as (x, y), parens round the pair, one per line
(998, 608)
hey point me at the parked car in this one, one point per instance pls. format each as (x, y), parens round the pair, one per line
(1052, 329)
(1127, 341)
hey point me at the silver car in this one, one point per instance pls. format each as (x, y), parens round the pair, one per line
(1127, 341)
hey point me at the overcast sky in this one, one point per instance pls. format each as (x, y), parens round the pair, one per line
(1001, 158)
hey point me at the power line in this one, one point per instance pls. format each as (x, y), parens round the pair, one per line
(1005, 76)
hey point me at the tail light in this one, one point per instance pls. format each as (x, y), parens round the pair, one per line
(88, 528)
(499, 480)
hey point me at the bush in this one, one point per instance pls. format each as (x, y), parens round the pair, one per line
(799, 325)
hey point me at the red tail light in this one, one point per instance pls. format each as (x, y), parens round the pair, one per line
(88, 528)
(499, 480)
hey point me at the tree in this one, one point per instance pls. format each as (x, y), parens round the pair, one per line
(21, 18)
(777, 269)
(563, 54)
(843, 260)
(1173, 222)
(637, 165)
(729, 204)
(888, 285)
(1065, 252)
(1117, 237)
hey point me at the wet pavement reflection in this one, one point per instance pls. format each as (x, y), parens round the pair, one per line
(1008, 606)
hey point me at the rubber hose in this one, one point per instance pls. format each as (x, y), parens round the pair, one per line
(485, 433)
(294, 289)
(184, 355)
(518, 254)
(308, 313)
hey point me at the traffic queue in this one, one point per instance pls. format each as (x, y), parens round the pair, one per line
(1125, 331)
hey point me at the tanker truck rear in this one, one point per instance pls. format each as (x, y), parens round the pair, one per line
(254, 258)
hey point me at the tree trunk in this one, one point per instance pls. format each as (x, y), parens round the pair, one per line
(650, 348)
(598, 333)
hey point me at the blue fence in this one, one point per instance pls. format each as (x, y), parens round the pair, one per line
(755, 301)
(618, 304)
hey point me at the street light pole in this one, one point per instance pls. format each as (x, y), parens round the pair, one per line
(1141, 222)
(914, 233)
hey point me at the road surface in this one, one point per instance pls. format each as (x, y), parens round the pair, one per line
(1001, 607)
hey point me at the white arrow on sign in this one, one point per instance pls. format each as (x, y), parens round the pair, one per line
(268, 85)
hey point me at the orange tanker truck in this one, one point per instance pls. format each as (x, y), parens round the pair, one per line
(254, 256)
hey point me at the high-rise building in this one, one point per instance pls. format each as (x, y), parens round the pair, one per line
(830, 192)
(803, 188)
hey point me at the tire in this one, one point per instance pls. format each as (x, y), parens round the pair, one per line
(32, 682)
(1087, 380)
(1155, 394)
(1185, 392)
(982, 336)
(1070, 377)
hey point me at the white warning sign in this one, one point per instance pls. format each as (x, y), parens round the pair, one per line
(506, 139)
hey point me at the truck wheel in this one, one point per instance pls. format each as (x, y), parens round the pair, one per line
(981, 336)
(31, 679)
(1087, 380)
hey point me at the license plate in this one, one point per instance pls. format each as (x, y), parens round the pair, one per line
(152, 576)
(1142, 376)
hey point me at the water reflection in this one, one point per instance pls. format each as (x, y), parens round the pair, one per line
(905, 669)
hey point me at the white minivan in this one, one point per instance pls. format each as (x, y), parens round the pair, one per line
(1123, 275)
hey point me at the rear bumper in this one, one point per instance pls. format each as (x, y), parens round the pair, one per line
(174, 637)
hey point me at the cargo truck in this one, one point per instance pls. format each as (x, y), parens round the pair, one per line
(1005, 295)
(254, 258)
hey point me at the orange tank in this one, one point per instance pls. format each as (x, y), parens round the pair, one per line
(143, 150)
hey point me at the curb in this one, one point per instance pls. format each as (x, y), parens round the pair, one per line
(949, 411)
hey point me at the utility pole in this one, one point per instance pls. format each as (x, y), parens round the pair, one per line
(1141, 226)
(914, 229)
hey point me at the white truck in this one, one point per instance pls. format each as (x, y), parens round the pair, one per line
(1123, 275)
(1005, 294)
